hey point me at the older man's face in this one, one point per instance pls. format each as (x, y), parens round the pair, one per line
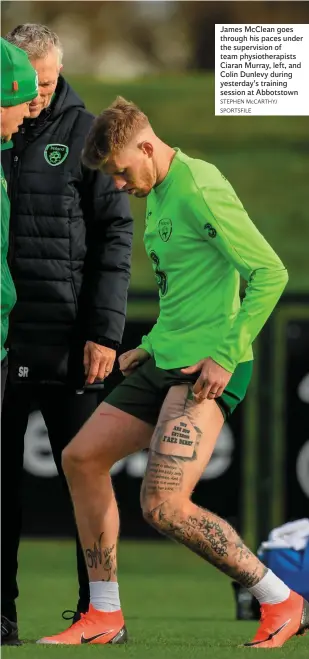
(48, 69)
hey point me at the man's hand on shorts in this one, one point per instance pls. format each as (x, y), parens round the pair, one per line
(212, 380)
(98, 361)
(129, 361)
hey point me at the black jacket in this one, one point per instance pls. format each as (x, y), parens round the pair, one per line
(70, 247)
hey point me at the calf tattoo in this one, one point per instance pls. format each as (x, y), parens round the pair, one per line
(94, 556)
(211, 538)
(102, 556)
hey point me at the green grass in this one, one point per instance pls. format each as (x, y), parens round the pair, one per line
(175, 605)
(265, 159)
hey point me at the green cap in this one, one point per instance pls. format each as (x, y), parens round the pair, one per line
(19, 80)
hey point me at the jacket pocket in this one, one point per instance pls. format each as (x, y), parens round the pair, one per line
(38, 364)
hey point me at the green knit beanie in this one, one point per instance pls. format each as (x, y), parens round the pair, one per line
(19, 80)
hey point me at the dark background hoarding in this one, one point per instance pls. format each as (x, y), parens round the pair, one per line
(296, 419)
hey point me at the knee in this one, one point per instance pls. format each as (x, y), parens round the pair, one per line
(84, 458)
(163, 513)
(69, 460)
(152, 510)
(75, 460)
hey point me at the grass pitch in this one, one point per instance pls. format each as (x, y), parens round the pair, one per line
(175, 605)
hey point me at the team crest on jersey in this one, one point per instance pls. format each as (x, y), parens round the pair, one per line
(165, 229)
(55, 154)
(210, 230)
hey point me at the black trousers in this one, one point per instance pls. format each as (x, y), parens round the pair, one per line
(64, 413)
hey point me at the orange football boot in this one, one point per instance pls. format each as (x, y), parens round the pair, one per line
(94, 627)
(279, 622)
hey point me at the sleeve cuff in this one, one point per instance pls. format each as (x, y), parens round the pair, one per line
(104, 341)
(224, 361)
(147, 348)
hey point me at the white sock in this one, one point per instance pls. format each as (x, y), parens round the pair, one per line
(104, 595)
(270, 590)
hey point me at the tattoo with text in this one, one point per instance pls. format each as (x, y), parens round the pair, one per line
(163, 475)
(174, 445)
(177, 437)
(102, 556)
(212, 538)
(94, 556)
(109, 562)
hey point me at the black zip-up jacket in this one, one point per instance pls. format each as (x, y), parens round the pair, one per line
(70, 247)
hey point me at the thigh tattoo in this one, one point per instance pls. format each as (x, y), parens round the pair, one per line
(164, 474)
(176, 433)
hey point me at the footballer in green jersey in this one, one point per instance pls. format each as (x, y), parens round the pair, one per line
(184, 379)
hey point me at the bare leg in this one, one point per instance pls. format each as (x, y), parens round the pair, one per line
(180, 449)
(108, 436)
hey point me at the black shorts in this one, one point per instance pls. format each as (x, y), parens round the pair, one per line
(142, 394)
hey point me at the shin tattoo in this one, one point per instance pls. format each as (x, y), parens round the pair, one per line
(103, 557)
(210, 537)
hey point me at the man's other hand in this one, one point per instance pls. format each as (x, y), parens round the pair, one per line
(129, 361)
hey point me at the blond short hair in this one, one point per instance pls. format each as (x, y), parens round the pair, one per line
(111, 131)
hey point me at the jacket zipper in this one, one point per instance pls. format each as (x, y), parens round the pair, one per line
(74, 293)
(12, 192)
(15, 168)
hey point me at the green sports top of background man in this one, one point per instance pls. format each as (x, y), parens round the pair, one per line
(19, 85)
(200, 240)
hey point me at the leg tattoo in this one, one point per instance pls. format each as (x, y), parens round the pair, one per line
(180, 447)
(103, 556)
(210, 537)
